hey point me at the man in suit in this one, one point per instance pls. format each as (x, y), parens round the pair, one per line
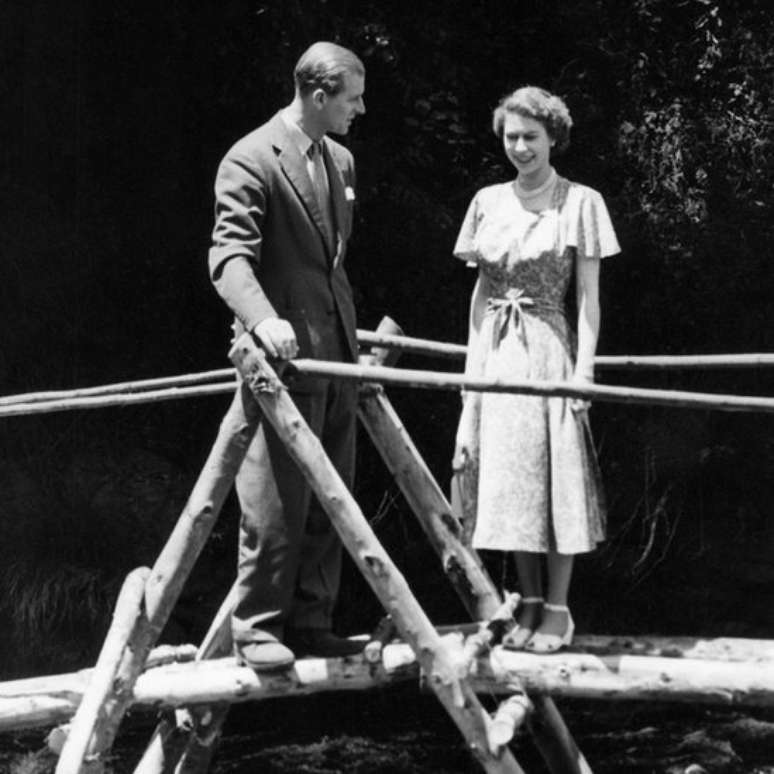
(283, 213)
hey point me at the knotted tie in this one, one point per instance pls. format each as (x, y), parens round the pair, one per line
(320, 183)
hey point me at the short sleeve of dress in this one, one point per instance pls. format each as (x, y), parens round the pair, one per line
(591, 230)
(464, 248)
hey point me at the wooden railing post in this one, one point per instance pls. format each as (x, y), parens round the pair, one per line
(174, 565)
(437, 657)
(460, 563)
(184, 741)
(102, 685)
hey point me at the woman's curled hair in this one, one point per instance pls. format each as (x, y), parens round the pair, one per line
(540, 105)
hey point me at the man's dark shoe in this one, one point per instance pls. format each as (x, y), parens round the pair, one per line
(271, 656)
(321, 642)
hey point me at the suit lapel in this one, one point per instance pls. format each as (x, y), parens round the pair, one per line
(294, 167)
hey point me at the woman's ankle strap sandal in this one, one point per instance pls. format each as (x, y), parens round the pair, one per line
(517, 637)
(542, 642)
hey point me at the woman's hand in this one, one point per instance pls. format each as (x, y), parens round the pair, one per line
(579, 405)
(464, 441)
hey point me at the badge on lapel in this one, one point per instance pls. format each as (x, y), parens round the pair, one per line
(349, 193)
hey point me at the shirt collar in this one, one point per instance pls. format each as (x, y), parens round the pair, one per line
(300, 138)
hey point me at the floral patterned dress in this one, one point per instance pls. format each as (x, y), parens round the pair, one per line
(534, 472)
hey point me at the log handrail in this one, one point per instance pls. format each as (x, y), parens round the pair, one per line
(402, 377)
(438, 659)
(444, 349)
(460, 563)
(405, 377)
(162, 388)
(164, 582)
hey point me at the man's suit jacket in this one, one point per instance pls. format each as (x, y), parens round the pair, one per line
(269, 255)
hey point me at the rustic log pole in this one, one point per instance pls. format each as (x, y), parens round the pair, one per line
(613, 677)
(128, 611)
(45, 701)
(166, 745)
(420, 489)
(178, 739)
(437, 659)
(97, 397)
(119, 388)
(435, 380)
(509, 717)
(547, 725)
(382, 634)
(384, 356)
(392, 340)
(16, 409)
(205, 722)
(396, 340)
(176, 560)
(460, 563)
(489, 632)
(218, 639)
(566, 674)
(463, 568)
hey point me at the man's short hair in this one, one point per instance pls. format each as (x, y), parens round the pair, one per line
(322, 66)
(540, 105)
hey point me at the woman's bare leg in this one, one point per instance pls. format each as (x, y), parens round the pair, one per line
(530, 572)
(560, 568)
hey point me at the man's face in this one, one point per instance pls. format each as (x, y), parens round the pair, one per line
(338, 111)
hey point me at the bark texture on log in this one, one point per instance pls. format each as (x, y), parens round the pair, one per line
(461, 563)
(88, 732)
(439, 661)
(47, 701)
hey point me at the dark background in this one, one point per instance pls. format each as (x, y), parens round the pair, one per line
(116, 118)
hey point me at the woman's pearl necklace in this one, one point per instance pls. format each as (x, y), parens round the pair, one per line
(531, 193)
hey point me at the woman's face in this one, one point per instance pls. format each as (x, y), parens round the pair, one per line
(528, 147)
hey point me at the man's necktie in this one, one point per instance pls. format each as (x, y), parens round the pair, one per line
(320, 183)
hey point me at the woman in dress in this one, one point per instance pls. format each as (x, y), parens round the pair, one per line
(537, 488)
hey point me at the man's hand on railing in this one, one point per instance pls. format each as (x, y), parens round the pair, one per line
(277, 337)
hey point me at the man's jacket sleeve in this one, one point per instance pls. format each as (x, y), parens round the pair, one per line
(240, 207)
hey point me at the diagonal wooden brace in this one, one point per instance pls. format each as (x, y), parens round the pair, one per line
(460, 562)
(166, 579)
(436, 657)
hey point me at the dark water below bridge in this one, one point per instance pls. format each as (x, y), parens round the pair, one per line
(398, 730)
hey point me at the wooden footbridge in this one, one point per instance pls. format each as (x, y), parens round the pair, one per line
(193, 688)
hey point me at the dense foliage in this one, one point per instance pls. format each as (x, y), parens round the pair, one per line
(121, 117)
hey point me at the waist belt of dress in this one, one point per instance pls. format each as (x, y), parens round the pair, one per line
(510, 309)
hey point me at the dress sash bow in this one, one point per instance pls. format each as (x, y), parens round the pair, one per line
(510, 309)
